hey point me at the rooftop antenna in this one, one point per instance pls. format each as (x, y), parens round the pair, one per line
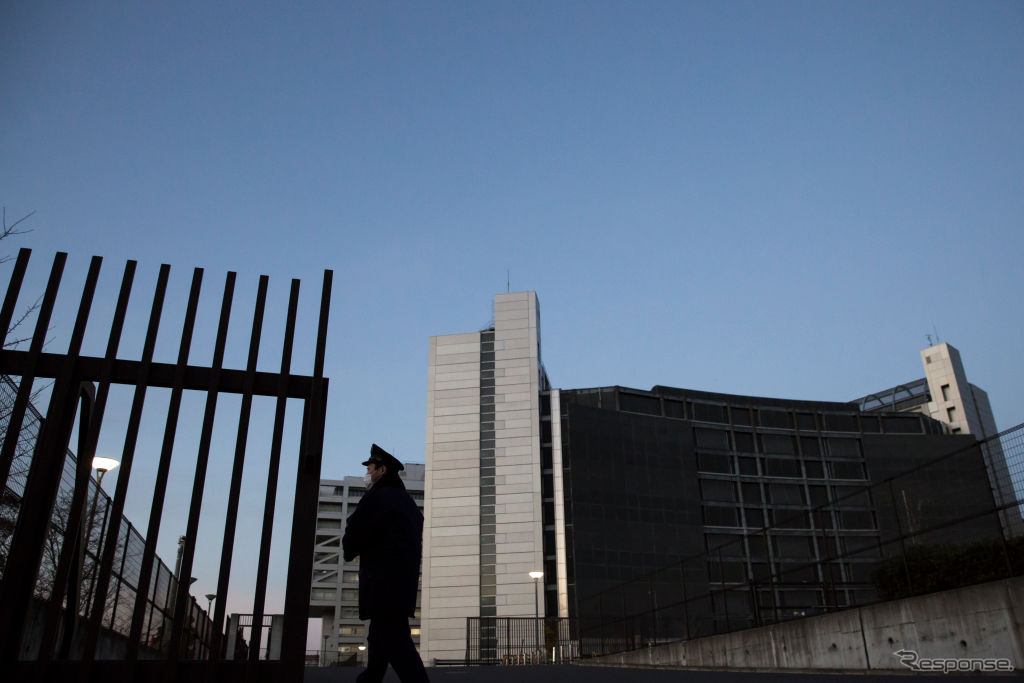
(938, 340)
(929, 338)
(508, 281)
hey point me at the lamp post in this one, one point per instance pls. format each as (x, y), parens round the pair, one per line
(102, 465)
(536, 576)
(209, 620)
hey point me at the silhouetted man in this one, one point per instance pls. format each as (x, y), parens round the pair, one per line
(386, 533)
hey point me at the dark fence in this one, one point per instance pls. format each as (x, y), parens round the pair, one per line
(52, 632)
(128, 550)
(520, 640)
(896, 537)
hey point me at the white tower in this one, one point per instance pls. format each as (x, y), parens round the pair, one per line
(483, 532)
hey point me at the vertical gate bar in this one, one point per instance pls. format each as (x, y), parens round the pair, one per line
(73, 546)
(13, 290)
(131, 437)
(25, 387)
(202, 459)
(26, 549)
(128, 453)
(160, 487)
(307, 487)
(88, 432)
(275, 461)
(231, 520)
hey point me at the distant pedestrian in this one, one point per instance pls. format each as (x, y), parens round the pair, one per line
(386, 533)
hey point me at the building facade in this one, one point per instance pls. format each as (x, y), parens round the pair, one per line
(483, 530)
(945, 395)
(596, 487)
(738, 489)
(334, 595)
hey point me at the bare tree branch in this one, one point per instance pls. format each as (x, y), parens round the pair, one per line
(12, 229)
(11, 343)
(5, 232)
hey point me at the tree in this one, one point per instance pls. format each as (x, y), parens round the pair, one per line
(6, 232)
(10, 498)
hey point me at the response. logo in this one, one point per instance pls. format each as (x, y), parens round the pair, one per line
(912, 660)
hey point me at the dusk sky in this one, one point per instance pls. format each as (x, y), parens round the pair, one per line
(764, 198)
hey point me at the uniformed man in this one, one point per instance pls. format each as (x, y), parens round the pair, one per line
(386, 533)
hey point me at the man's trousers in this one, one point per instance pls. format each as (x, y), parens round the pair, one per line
(389, 642)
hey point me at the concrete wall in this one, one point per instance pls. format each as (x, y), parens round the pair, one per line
(110, 644)
(983, 621)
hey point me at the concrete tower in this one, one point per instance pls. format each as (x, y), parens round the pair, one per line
(483, 532)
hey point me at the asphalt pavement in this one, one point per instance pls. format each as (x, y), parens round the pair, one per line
(569, 673)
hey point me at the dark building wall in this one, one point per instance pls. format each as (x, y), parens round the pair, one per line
(927, 499)
(635, 502)
(653, 478)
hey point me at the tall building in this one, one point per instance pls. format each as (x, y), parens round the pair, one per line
(334, 595)
(945, 395)
(483, 528)
(763, 486)
(598, 486)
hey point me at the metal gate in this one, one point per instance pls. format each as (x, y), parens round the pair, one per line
(67, 646)
(518, 641)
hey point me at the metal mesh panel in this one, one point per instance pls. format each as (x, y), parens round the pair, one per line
(118, 607)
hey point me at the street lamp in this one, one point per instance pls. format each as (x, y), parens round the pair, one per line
(536, 576)
(209, 602)
(102, 465)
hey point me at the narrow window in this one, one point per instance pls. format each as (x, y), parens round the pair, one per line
(945, 392)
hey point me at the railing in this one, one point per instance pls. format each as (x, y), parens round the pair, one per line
(80, 385)
(129, 549)
(896, 537)
(513, 641)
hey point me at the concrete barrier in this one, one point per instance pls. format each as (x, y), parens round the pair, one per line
(985, 621)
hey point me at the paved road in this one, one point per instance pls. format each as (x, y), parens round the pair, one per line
(594, 674)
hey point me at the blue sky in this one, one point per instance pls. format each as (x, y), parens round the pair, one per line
(767, 198)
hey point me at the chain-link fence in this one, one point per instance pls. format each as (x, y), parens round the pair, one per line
(120, 602)
(827, 545)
